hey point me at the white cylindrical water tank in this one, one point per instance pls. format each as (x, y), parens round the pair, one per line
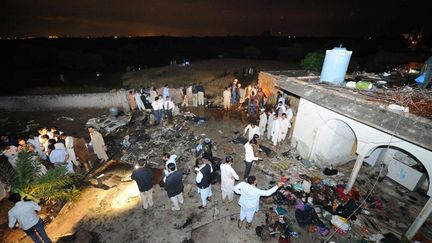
(335, 65)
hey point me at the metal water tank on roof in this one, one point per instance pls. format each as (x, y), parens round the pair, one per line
(335, 65)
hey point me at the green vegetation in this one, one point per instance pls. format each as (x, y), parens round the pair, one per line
(313, 61)
(28, 180)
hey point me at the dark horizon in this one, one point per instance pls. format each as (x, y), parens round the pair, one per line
(205, 18)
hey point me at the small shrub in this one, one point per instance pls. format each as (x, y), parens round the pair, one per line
(313, 61)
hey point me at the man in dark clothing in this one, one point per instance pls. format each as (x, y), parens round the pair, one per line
(143, 176)
(203, 181)
(174, 186)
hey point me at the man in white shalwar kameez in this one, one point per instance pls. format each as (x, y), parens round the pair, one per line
(262, 122)
(202, 180)
(139, 101)
(252, 129)
(59, 156)
(227, 98)
(269, 124)
(153, 95)
(275, 130)
(98, 143)
(70, 149)
(228, 177)
(281, 108)
(249, 199)
(285, 124)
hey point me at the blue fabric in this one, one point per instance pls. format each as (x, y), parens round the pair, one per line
(40, 229)
(420, 79)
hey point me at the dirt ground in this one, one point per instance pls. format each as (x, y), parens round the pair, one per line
(115, 214)
(214, 74)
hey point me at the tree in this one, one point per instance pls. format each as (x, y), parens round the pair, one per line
(313, 61)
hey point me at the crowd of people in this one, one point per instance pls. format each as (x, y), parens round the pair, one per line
(48, 148)
(52, 148)
(276, 122)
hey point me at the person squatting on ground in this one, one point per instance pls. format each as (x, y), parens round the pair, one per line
(249, 199)
(143, 176)
(249, 157)
(202, 180)
(174, 186)
(228, 177)
(98, 143)
(25, 213)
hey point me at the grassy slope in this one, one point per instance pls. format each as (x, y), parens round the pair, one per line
(214, 74)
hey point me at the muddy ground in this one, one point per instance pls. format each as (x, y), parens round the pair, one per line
(114, 214)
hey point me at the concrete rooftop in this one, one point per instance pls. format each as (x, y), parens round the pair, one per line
(361, 107)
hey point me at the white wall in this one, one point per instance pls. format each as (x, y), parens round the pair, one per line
(334, 143)
(69, 101)
(311, 117)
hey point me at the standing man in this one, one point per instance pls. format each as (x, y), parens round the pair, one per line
(168, 108)
(156, 113)
(25, 213)
(227, 98)
(269, 124)
(194, 95)
(253, 129)
(69, 144)
(153, 94)
(275, 133)
(262, 122)
(228, 177)
(139, 101)
(285, 124)
(203, 181)
(249, 199)
(249, 157)
(36, 143)
(143, 176)
(185, 97)
(165, 92)
(200, 89)
(233, 89)
(81, 152)
(98, 142)
(131, 100)
(174, 186)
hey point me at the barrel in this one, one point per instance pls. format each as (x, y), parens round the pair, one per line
(335, 65)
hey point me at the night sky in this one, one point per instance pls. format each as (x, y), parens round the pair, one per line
(212, 17)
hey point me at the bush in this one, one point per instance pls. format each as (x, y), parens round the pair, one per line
(28, 180)
(313, 61)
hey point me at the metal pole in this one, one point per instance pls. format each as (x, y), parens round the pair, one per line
(419, 221)
(354, 173)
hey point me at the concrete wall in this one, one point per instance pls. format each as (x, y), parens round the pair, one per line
(69, 101)
(312, 117)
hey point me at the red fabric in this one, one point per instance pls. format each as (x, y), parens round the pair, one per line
(284, 240)
(340, 191)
